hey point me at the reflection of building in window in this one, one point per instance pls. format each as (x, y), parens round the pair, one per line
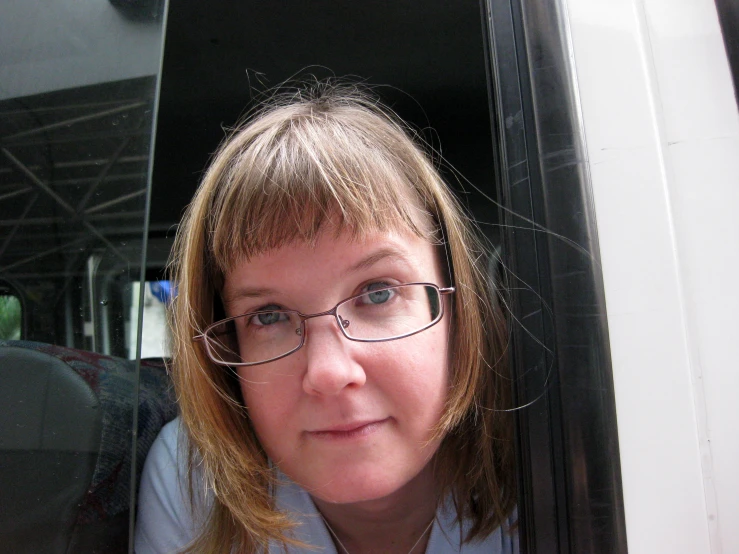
(10, 317)
(155, 340)
(73, 180)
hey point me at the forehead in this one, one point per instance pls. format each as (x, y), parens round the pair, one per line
(336, 257)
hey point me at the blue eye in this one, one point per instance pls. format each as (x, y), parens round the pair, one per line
(380, 296)
(268, 317)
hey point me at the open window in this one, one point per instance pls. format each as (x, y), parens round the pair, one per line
(487, 84)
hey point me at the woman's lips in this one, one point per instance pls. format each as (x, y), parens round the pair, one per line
(348, 431)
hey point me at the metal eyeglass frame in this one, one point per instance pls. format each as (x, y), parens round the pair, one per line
(305, 317)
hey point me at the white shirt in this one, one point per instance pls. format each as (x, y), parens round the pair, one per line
(166, 523)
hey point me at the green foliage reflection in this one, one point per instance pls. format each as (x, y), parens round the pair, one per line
(10, 318)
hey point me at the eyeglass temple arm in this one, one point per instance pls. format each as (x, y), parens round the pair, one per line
(447, 290)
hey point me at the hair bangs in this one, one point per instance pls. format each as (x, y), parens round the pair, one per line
(315, 173)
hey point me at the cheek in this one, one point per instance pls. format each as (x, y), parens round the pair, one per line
(416, 371)
(265, 401)
(435, 368)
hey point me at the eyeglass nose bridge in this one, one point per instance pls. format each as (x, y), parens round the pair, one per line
(343, 323)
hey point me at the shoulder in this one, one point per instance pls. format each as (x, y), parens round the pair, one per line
(448, 536)
(165, 468)
(167, 522)
(170, 439)
(294, 501)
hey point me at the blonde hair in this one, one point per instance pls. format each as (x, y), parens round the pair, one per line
(319, 156)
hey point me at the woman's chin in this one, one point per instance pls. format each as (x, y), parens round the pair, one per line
(353, 487)
(350, 491)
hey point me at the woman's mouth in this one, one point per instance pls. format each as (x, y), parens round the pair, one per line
(347, 431)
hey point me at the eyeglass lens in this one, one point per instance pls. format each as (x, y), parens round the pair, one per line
(381, 314)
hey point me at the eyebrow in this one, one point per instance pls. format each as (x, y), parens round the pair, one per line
(246, 292)
(376, 257)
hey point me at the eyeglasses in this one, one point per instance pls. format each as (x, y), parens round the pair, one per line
(381, 314)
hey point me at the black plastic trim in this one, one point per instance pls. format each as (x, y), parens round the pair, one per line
(571, 499)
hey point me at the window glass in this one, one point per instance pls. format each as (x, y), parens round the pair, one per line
(77, 102)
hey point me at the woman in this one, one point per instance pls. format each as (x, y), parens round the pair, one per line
(337, 350)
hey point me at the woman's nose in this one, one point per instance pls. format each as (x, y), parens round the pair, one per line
(330, 366)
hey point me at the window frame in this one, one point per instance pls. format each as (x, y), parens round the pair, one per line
(570, 492)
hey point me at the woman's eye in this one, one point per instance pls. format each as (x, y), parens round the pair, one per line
(379, 296)
(266, 317)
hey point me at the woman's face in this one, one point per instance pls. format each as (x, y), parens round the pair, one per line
(348, 421)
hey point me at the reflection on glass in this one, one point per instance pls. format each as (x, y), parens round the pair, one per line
(73, 178)
(77, 88)
(155, 335)
(10, 317)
